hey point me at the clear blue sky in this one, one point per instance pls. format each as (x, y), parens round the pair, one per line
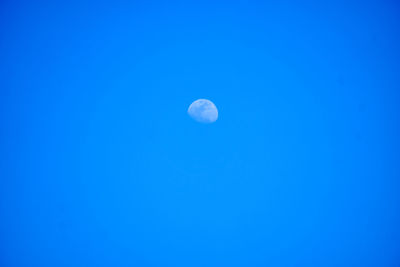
(100, 165)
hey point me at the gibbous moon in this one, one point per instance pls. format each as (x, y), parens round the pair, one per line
(203, 110)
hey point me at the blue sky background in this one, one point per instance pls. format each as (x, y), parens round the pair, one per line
(100, 165)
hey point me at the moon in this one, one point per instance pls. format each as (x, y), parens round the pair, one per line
(203, 110)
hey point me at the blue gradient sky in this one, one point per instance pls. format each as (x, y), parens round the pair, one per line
(100, 165)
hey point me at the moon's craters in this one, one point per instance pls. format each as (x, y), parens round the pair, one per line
(203, 110)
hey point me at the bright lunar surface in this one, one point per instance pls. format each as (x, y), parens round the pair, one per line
(203, 110)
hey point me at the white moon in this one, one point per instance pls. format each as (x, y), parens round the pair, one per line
(203, 110)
